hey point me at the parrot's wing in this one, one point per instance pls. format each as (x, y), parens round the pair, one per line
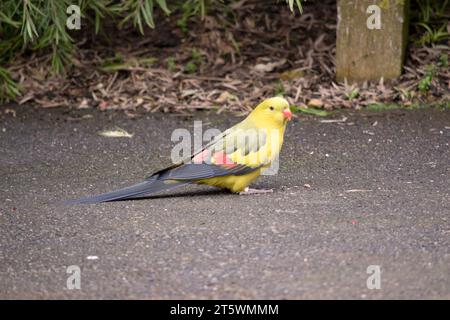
(200, 171)
(215, 159)
(234, 141)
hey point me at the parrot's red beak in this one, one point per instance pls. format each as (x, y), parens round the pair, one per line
(287, 114)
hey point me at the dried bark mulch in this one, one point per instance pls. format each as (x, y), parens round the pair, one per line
(228, 61)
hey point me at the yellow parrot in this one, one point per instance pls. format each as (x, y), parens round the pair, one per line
(232, 160)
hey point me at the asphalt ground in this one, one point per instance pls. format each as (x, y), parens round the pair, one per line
(372, 190)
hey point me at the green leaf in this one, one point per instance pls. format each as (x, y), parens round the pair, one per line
(4, 18)
(8, 88)
(147, 12)
(313, 111)
(297, 3)
(190, 67)
(163, 5)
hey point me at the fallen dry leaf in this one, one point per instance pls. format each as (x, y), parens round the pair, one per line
(225, 96)
(315, 103)
(268, 67)
(103, 105)
(10, 111)
(292, 74)
(117, 133)
(83, 117)
(83, 104)
(334, 120)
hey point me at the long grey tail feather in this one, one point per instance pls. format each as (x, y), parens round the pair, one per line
(140, 189)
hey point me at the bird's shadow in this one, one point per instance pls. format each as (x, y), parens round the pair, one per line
(196, 193)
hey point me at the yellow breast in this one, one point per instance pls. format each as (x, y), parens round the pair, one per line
(232, 182)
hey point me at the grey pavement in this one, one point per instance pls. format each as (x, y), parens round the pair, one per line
(378, 195)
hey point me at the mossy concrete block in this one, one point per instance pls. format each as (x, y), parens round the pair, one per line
(371, 39)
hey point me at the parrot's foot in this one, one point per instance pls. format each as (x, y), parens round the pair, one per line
(248, 191)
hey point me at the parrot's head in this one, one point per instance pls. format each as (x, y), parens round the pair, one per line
(273, 112)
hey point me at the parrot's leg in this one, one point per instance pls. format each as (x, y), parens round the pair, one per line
(248, 191)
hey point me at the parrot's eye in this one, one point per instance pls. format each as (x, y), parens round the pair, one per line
(271, 108)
